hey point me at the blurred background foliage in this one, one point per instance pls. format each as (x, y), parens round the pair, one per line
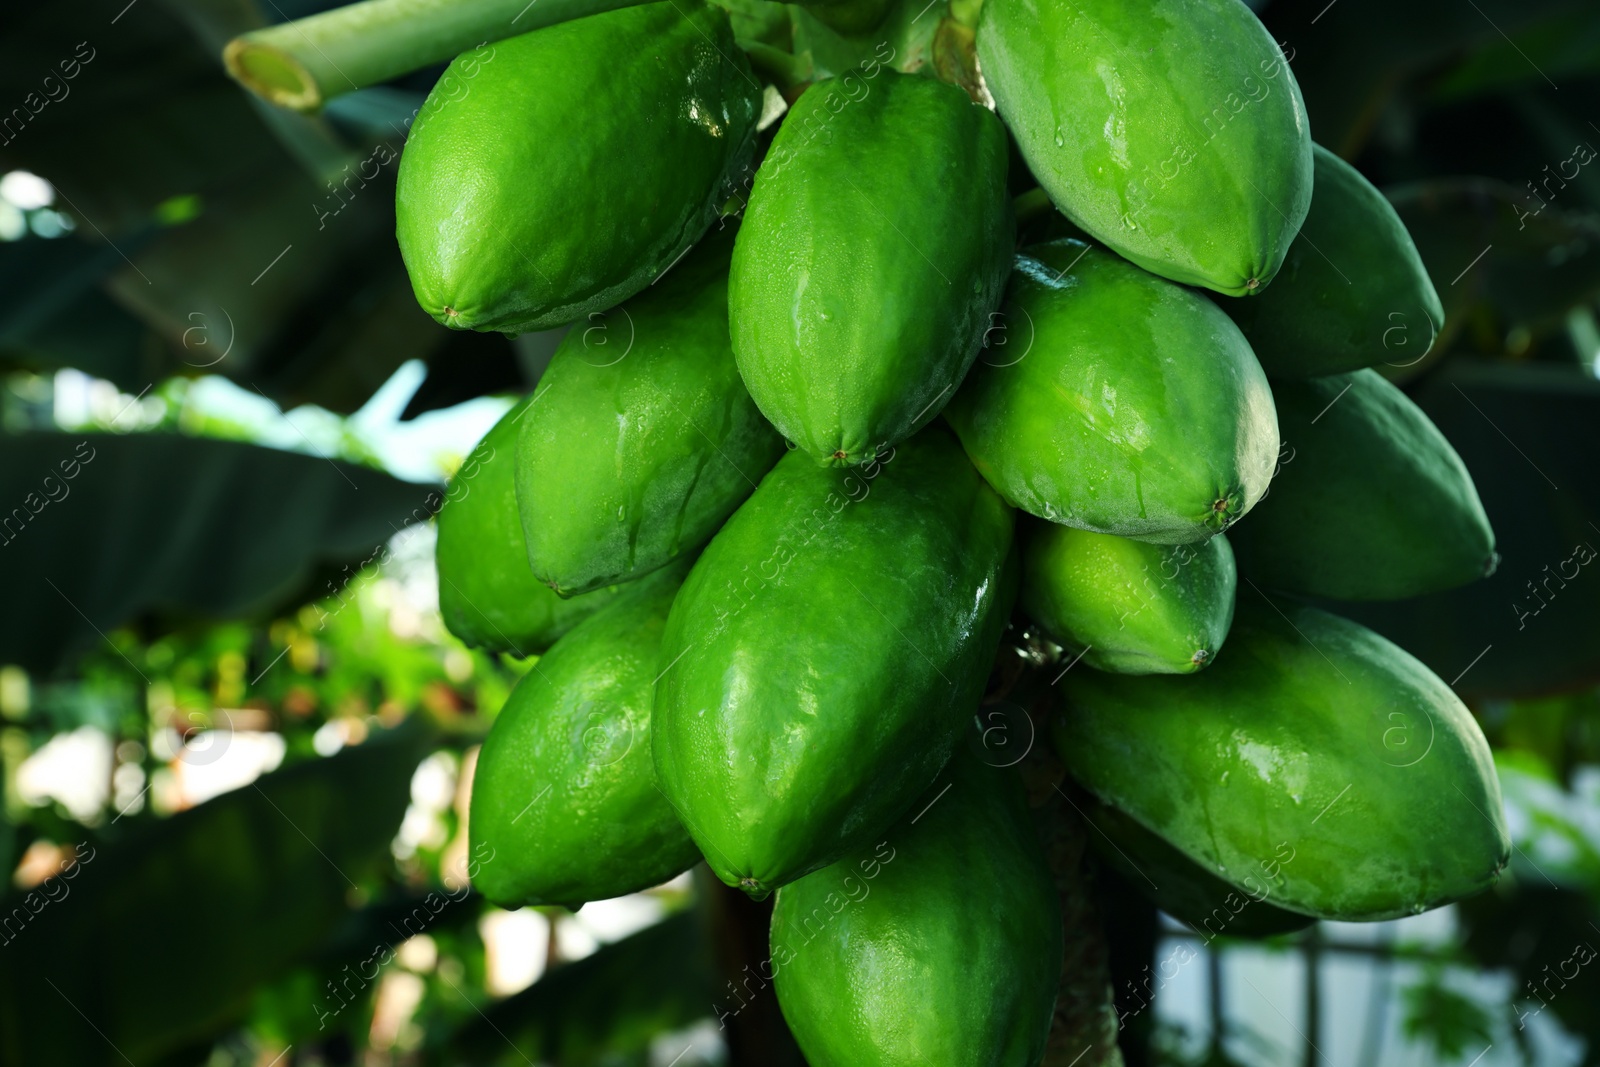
(236, 741)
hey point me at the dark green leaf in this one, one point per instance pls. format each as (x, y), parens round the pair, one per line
(159, 940)
(98, 530)
(612, 1002)
(1529, 436)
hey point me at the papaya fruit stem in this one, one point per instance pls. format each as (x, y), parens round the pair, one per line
(303, 64)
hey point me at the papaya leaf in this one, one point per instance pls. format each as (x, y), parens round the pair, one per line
(1528, 435)
(159, 940)
(1556, 830)
(1545, 938)
(611, 1003)
(1448, 1020)
(99, 530)
(1350, 58)
(1504, 264)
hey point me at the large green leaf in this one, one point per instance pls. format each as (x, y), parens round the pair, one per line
(1530, 436)
(99, 530)
(159, 940)
(607, 1004)
(236, 238)
(1501, 269)
(1351, 57)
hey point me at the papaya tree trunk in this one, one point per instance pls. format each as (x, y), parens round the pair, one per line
(1083, 1032)
(304, 63)
(746, 1005)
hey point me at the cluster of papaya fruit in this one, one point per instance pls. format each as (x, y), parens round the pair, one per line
(769, 585)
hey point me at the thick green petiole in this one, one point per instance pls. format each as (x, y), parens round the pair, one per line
(302, 64)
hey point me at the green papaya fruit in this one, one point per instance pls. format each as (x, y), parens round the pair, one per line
(1128, 606)
(487, 595)
(1118, 402)
(824, 654)
(1314, 756)
(874, 249)
(1173, 132)
(1371, 502)
(641, 438)
(564, 798)
(563, 170)
(1187, 891)
(1352, 292)
(941, 945)
(849, 17)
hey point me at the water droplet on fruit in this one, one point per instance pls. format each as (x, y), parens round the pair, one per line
(1061, 142)
(1225, 777)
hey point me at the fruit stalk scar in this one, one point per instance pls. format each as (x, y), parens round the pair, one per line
(304, 63)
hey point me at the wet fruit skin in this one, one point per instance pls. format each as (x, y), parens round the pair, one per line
(1352, 292)
(824, 653)
(1371, 502)
(1187, 891)
(564, 796)
(1118, 403)
(1128, 606)
(941, 945)
(1172, 131)
(631, 120)
(641, 439)
(1309, 730)
(874, 249)
(487, 595)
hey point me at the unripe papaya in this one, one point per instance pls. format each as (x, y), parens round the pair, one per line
(1312, 734)
(1128, 606)
(1118, 403)
(568, 167)
(874, 249)
(1173, 132)
(941, 945)
(564, 797)
(849, 17)
(825, 652)
(1187, 891)
(1352, 292)
(1371, 502)
(641, 438)
(487, 595)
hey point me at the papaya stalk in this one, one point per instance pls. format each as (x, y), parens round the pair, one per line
(1083, 1029)
(304, 63)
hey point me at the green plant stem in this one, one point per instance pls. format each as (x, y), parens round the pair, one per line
(302, 64)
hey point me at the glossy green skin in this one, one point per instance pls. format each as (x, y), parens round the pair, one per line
(1172, 131)
(641, 439)
(874, 249)
(561, 174)
(1352, 292)
(1128, 606)
(1119, 402)
(1187, 891)
(487, 595)
(564, 796)
(941, 945)
(1371, 504)
(1310, 734)
(850, 17)
(825, 651)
